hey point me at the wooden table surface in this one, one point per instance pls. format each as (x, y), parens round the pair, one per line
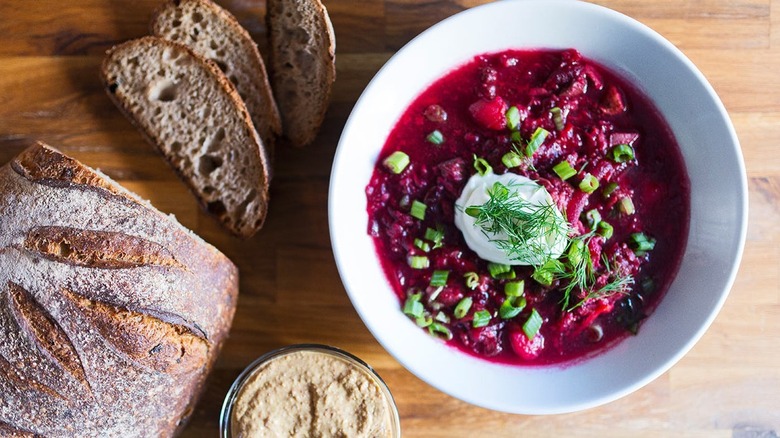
(728, 385)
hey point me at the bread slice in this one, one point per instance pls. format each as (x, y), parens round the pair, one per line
(303, 64)
(186, 107)
(213, 33)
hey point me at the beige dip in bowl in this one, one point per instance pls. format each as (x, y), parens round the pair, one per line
(309, 391)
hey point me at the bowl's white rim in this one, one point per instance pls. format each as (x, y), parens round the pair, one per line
(742, 220)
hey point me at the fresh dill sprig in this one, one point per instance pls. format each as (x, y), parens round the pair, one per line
(525, 224)
(580, 268)
(583, 278)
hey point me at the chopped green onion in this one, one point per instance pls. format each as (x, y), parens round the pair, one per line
(622, 153)
(498, 269)
(424, 321)
(463, 307)
(514, 288)
(589, 183)
(473, 211)
(576, 252)
(498, 190)
(557, 118)
(482, 166)
(511, 159)
(564, 170)
(440, 331)
(422, 245)
(435, 293)
(609, 188)
(442, 317)
(511, 275)
(592, 218)
(481, 318)
(436, 236)
(532, 325)
(545, 274)
(396, 162)
(605, 229)
(413, 307)
(626, 206)
(418, 209)
(418, 262)
(641, 244)
(472, 280)
(516, 137)
(439, 278)
(543, 277)
(435, 137)
(513, 118)
(511, 307)
(537, 138)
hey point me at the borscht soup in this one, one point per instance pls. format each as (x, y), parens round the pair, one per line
(530, 207)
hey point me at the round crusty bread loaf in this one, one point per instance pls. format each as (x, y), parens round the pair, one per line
(188, 109)
(213, 33)
(303, 65)
(111, 313)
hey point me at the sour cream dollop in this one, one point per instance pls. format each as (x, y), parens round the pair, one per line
(476, 193)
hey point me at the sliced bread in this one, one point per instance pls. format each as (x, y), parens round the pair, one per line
(185, 106)
(213, 33)
(303, 64)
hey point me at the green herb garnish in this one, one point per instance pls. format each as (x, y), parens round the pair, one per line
(418, 209)
(521, 221)
(435, 137)
(396, 162)
(532, 324)
(557, 117)
(463, 307)
(537, 138)
(439, 278)
(481, 318)
(482, 166)
(472, 280)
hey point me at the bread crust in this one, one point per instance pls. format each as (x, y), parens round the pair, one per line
(152, 132)
(302, 114)
(118, 342)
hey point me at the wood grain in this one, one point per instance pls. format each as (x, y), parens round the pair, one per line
(728, 385)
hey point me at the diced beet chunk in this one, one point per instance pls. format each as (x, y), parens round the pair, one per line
(454, 169)
(490, 114)
(577, 87)
(613, 102)
(435, 113)
(594, 76)
(526, 348)
(628, 138)
(450, 295)
(484, 340)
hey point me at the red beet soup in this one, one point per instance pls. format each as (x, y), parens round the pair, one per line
(581, 266)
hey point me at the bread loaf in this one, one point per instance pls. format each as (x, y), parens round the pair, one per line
(111, 313)
(213, 33)
(187, 108)
(303, 64)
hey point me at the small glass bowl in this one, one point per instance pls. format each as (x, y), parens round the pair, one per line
(226, 416)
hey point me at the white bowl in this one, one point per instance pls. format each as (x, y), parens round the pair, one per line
(710, 149)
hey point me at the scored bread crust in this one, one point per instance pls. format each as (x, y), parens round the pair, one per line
(303, 64)
(215, 34)
(184, 105)
(111, 313)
